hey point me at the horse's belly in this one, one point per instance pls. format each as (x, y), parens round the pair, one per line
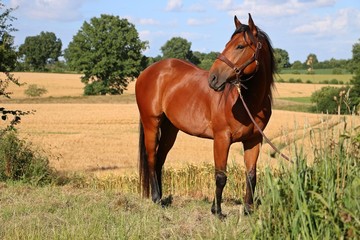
(190, 121)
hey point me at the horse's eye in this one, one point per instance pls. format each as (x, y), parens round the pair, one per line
(240, 46)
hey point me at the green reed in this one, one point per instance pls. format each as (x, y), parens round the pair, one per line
(318, 201)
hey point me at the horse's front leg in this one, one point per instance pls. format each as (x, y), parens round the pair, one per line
(251, 154)
(221, 150)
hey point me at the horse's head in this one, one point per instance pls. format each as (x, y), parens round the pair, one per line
(239, 60)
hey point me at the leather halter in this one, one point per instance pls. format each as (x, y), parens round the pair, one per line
(239, 73)
(240, 69)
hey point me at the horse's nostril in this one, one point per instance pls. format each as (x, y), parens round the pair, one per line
(213, 78)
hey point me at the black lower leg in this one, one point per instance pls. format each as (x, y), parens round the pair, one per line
(250, 189)
(220, 178)
(155, 190)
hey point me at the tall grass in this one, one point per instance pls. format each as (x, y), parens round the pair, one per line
(318, 201)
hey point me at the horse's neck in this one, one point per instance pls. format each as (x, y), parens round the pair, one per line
(257, 93)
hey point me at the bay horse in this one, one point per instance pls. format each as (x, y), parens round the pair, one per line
(175, 95)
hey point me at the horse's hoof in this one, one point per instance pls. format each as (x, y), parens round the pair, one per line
(221, 216)
(218, 214)
(248, 209)
(166, 202)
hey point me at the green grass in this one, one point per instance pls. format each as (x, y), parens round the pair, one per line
(298, 99)
(317, 71)
(314, 78)
(295, 104)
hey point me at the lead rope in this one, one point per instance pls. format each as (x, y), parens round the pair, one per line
(257, 126)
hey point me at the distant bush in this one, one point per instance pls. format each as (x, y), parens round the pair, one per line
(34, 91)
(20, 162)
(334, 81)
(308, 81)
(325, 82)
(95, 88)
(292, 80)
(296, 72)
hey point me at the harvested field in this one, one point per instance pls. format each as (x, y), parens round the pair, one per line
(57, 84)
(102, 138)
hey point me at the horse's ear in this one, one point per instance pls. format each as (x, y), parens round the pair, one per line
(237, 22)
(252, 26)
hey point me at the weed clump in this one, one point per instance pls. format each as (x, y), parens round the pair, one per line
(20, 162)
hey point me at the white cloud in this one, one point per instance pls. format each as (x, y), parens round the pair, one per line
(273, 8)
(142, 21)
(64, 10)
(197, 8)
(198, 22)
(174, 5)
(148, 21)
(225, 5)
(340, 22)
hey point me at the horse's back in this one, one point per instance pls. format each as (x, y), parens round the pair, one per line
(165, 70)
(165, 76)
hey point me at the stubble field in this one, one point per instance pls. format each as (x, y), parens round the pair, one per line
(100, 134)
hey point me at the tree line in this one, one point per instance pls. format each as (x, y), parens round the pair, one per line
(108, 52)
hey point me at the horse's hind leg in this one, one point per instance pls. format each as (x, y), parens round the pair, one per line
(160, 135)
(168, 133)
(151, 134)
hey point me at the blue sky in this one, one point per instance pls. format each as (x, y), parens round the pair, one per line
(327, 28)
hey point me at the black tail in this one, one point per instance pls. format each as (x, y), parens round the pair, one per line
(143, 164)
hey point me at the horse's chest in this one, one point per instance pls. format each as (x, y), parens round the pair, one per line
(247, 129)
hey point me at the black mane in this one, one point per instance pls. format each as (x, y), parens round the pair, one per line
(242, 28)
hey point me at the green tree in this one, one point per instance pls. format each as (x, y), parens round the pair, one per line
(297, 65)
(355, 90)
(206, 59)
(38, 51)
(281, 58)
(7, 63)
(355, 61)
(180, 48)
(108, 51)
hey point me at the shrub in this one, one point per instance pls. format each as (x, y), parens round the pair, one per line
(19, 162)
(334, 81)
(330, 100)
(95, 88)
(308, 81)
(34, 91)
(291, 80)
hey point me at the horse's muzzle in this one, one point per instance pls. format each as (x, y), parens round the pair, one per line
(215, 84)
